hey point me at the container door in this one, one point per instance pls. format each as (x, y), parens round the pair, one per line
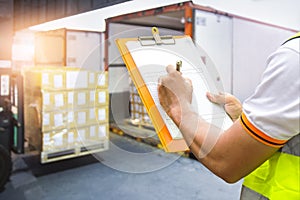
(252, 44)
(50, 48)
(85, 49)
(213, 33)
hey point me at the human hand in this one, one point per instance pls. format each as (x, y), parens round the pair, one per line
(232, 105)
(175, 93)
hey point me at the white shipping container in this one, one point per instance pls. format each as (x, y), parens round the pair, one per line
(64, 47)
(85, 49)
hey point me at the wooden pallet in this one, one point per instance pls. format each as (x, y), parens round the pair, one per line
(139, 124)
(140, 134)
(47, 157)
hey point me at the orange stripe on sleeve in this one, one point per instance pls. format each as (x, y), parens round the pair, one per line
(259, 135)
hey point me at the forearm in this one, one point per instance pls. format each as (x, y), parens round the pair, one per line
(230, 154)
(225, 153)
(194, 128)
(201, 138)
(195, 132)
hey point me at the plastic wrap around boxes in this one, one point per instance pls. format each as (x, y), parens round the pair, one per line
(66, 111)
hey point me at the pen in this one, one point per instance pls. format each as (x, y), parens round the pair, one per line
(178, 65)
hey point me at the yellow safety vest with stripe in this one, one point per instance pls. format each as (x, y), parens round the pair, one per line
(279, 177)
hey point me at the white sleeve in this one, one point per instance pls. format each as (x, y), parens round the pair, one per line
(272, 112)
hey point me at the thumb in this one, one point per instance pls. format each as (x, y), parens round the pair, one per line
(216, 98)
(189, 81)
(170, 69)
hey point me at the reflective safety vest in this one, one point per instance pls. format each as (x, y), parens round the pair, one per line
(278, 178)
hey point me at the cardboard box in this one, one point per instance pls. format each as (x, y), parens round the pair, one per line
(98, 114)
(59, 98)
(50, 78)
(56, 140)
(98, 131)
(77, 118)
(98, 79)
(138, 111)
(86, 116)
(92, 134)
(60, 47)
(54, 100)
(53, 120)
(64, 78)
(76, 78)
(98, 97)
(78, 99)
(74, 138)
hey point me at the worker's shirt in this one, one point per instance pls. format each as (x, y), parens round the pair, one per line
(271, 114)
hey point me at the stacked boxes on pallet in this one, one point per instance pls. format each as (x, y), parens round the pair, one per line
(138, 112)
(66, 111)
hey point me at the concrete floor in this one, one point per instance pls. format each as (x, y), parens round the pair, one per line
(129, 170)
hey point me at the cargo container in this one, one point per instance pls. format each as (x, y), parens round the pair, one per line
(65, 47)
(224, 37)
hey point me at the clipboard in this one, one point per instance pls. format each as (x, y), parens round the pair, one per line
(146, 59)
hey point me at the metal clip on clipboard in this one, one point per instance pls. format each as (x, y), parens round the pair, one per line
(156, 39)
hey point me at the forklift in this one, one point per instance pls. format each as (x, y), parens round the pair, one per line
(11, 121)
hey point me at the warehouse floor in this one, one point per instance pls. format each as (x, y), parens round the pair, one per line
(129, 170)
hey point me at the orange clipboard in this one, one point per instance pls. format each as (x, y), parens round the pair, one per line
(146, 59)
(169, 144)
